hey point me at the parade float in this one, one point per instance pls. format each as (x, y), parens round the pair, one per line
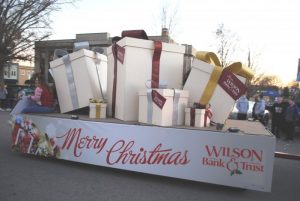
(147, 115)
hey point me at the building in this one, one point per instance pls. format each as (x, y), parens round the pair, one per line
(11, 73)
(44, 50)
(25, 73)
(15, 73)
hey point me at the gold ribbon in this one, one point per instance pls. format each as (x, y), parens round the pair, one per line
(211, 58)
(94, 100)
(98, 106)
(98, 110)
(241, 70)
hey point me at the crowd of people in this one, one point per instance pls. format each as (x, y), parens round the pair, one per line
(285, 114)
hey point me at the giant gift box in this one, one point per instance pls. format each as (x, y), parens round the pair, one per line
(79, 76)
(133, 72)
(208, 83)
(162, 107)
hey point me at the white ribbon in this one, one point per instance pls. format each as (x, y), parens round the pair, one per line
(81, 45)
(175, 107)
(149, 106)
(58, 53)
(71, 82)
(30, 144)
(97, 61)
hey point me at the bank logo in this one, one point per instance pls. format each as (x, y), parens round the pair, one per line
(235, 160)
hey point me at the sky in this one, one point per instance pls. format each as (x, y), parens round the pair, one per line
(269, 28)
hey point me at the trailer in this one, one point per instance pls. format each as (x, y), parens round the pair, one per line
(239, 155)
(146, 87)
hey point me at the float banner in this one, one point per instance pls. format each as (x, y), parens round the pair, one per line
(230, 159)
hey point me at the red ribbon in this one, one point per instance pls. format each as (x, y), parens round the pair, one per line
(135, 34)
(231, 84)
(192, 117)
(114, 89)
(156, 64)
(207, 114)
(158, 99)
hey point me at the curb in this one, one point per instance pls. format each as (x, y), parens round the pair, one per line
(287, 156)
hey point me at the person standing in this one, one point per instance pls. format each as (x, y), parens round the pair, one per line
(253, 108)
(259, 109)
(291, 116)
(242, 106)
(3, 96)
(277, 111)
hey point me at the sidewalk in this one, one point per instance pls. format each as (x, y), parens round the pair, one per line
(291, 147)
(287, 146)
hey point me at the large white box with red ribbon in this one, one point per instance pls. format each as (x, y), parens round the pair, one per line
(229, 88)
(132, 70)
(79, 76)
(197, 117)
(162, 107)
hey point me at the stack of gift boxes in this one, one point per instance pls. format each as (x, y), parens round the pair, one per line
(150, 82)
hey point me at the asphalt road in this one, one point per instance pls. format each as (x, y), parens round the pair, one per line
(30, 178)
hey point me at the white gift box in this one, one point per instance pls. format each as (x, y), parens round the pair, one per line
(136, 71)
(199, 120)
(172, 112)
(221, 102)
(97, 111)
(78, 76)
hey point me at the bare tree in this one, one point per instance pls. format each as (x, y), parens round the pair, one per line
(266, 80)
(22, 22)
(226, 44)
(293, 84)
(169, 18)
